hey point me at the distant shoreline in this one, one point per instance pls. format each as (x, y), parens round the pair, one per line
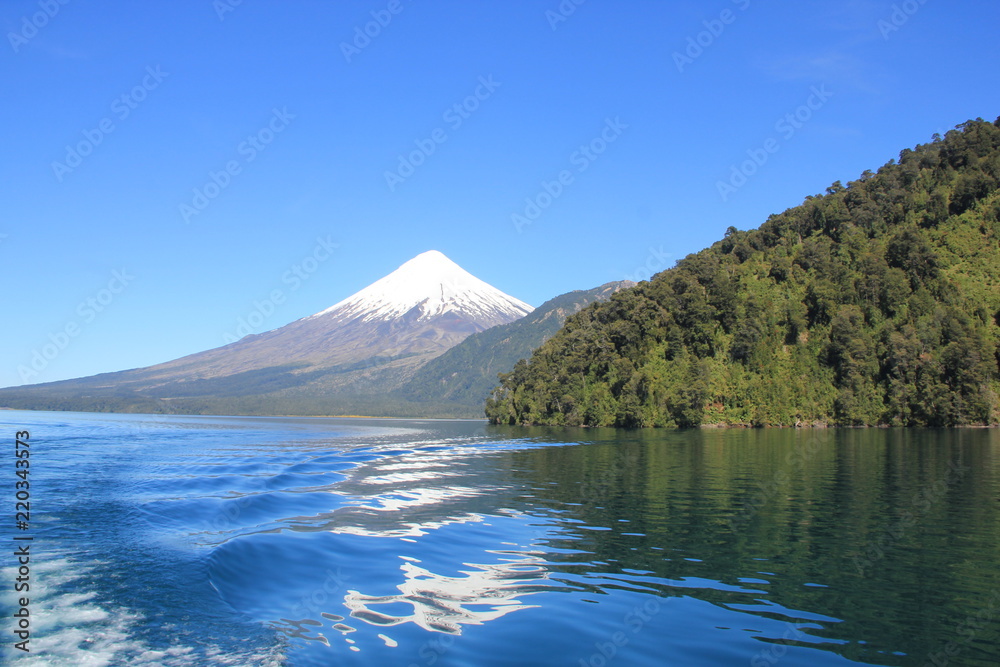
(719, 425)
(186, 414)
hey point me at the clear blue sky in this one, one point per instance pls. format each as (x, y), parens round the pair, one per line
(116, 112)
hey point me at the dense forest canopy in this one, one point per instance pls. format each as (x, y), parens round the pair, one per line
(874, 304)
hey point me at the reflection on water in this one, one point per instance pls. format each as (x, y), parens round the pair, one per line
(444, 604)
(430, 543)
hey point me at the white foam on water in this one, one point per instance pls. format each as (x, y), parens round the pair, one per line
(69, 628)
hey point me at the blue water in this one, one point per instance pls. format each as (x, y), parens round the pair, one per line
(167, 540)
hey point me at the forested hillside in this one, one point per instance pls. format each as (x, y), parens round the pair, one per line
(876, 303)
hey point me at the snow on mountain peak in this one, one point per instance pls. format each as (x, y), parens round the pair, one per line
(438, 286)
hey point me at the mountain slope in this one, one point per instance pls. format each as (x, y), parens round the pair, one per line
(427, 305)
(466, 373)
(334, 361)
(877, 303)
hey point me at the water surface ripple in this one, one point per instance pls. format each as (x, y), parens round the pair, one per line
(232, 541)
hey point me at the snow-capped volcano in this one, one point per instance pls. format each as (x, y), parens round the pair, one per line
(367, 344)
(428, 286)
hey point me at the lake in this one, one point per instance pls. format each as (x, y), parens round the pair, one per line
(172, 540)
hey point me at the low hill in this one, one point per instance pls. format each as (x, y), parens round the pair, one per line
(874, 304)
